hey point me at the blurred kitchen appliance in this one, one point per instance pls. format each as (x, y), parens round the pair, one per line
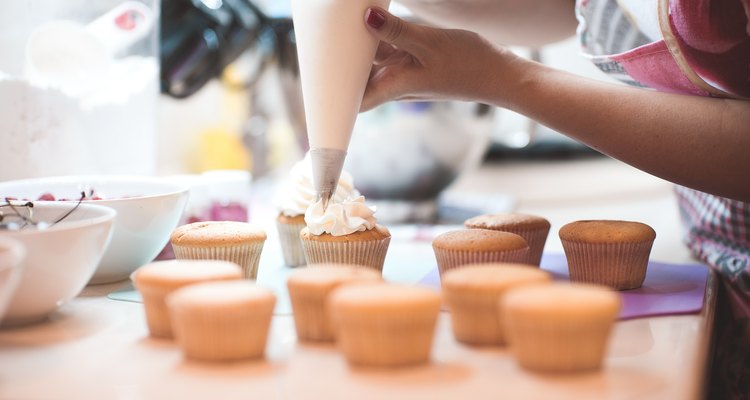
(199, 38)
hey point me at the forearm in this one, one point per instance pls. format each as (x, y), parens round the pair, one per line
(698, 142)
(530, 23)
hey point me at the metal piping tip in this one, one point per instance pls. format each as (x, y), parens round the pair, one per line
(326, 170)
(325, 198)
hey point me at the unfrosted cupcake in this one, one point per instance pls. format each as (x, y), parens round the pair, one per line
(345, 233)
(478, 246)
(608, 252)
(533, 228)
(559, 327)
(221, 321)
(474, 293)
(309, 289)
(238, 242)
(294, 197)
(384, 324)
(158, 279)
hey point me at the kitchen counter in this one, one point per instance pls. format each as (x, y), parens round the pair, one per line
(98, 348)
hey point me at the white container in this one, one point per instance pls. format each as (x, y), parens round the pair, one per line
(79, 84)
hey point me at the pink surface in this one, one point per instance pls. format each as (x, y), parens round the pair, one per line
(669, 289)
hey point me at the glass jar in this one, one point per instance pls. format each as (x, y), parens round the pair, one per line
(79, 85)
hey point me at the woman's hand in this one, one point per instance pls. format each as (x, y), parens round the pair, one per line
(416, 62)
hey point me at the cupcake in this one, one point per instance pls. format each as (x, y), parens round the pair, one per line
(158, 279)
(478, 246)
(293, 198)
(559, 327)
(308, 290)
(221, 321)
(474, 293)
(238, 242)
(605, 252)
(531, 227)
(344, 233)
(384, 324)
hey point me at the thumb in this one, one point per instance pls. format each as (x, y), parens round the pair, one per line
(393, 30)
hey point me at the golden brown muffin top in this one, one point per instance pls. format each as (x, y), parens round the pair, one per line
(222, 293)
(507, 221)
(177, 273)
(562, 300)
(378, 232)
(295, 220)
(479, 240)
(372, 298)
(493, 277)
(607, 231)
(327, 276)
(216, 233)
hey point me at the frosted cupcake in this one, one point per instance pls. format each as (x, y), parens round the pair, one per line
(221, 321)
(309, 289)
(383, 324)
(608, 252)
(238, 242)
(293, 198)
(559, 327)
(533, 228)
(478, 246)
(345, 233)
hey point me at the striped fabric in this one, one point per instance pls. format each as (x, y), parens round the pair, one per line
(717, 228)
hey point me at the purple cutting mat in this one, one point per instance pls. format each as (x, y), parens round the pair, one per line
(669, 289)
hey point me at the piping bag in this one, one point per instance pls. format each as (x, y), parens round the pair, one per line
(335, 53)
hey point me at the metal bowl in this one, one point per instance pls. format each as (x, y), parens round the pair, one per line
(412, 151)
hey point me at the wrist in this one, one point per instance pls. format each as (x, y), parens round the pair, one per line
(512, 78)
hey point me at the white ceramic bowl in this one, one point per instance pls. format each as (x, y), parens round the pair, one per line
(60, 259)
(148, 210)
(12, 254)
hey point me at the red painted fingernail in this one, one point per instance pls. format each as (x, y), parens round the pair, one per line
(375, 18)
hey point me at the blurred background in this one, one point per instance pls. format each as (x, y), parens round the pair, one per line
(194, 86)
(256, 101)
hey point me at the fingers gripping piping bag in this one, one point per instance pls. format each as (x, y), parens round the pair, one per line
(335, 57)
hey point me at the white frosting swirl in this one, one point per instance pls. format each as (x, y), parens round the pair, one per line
(297, 192)
(340, 218)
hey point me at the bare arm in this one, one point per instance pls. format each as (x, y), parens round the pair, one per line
(693, 141)
(697, 142)
(530, 23)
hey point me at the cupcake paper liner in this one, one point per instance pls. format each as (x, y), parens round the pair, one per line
(620, 266)
(476, 322)
(558, 345)
(246, 255)
(209, 333)
(157, 313)
(384, 340)
(369, 253)
(536, 238)
(291, 246)
(450, 259)
(311, 320)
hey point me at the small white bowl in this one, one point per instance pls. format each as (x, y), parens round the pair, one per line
(148, 210)
(60, 259)
(12, 254)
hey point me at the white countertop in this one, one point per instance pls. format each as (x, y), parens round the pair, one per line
(97, 348)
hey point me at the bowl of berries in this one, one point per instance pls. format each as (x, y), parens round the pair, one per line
(148, 209)
(63, 244)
